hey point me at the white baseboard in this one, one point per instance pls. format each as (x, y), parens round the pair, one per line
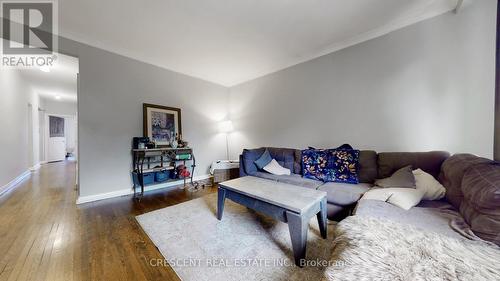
(13, 183)
(102, 196)
(36, 167)
(129, 191)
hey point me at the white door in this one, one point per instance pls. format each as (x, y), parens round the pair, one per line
(70, 132)
(41, 127)
(57, 140)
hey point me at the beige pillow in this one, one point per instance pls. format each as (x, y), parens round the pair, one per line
(276, 169)
(433, 190)
(405, 198)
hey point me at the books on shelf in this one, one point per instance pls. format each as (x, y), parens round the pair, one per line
(183, 156)
(158, 169)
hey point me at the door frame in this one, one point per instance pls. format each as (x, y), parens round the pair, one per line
(31, 137)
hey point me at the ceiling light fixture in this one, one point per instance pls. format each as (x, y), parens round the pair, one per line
(45, 68)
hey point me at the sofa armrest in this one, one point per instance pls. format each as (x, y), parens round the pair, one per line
(242, 167)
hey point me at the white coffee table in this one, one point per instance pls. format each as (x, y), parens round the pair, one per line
(285, 202)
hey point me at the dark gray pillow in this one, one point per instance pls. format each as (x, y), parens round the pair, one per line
(401, 178)
(263, 160)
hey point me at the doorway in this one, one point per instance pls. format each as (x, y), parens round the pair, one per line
(34, 95)
(61, 137)
(56, 141)
(41, 134)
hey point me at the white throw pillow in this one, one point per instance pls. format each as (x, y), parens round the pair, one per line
(433, 190)
(405, 198)
(276, 169)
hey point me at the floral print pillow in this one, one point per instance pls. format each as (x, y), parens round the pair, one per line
(314, 162)
(331, 165)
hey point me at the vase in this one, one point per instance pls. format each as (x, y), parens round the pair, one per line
(174, 144)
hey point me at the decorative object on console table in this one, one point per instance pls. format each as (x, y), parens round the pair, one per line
(180, 142)
(173, 142)
(223, 170)
(150, 145)
(183, 172)
(161, 124)
(139, 142)
(158, 166)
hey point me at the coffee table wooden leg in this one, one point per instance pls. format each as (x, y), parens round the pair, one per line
(297, 226)
(221, 194)
(322, 219)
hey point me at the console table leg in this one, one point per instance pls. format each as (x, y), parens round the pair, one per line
(221, 194)
(297, 226)
(322, 219)
(141, 181)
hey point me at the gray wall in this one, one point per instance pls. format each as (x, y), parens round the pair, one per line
(497, 92)
(59, 107)
(112, 89)
(15, 94)
(429, 86)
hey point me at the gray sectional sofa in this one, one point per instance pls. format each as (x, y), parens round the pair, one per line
(471, 207)
(472, 188)
(342, 197)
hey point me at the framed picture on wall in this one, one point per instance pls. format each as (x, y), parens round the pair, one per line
(161, 123)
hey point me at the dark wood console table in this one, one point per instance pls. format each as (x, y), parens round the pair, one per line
(160, 159)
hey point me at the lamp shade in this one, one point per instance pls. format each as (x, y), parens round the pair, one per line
(226, 126)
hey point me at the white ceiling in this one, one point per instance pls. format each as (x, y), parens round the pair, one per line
(60, 81)
(232, 41)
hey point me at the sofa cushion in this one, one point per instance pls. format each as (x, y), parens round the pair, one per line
(293, 179)
(336, 212)
(402, 178)
(300, 181)
(430, 162)
(367, 172)
(344, 194)
(287, 157)
(265, 175)
(452, 173)
(428, 215)
(249, 156)
(297, 165)
(405, 198)
(481, 200)
(284, 156)
(263, 160)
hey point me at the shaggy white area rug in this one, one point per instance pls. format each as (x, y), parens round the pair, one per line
(243, 246)
(374, 249)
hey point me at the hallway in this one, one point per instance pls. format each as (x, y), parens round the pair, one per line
(44, 235)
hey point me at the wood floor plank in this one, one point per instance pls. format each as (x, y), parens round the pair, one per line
(44, 235)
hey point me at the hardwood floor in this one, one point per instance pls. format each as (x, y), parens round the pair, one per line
(45, 236)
